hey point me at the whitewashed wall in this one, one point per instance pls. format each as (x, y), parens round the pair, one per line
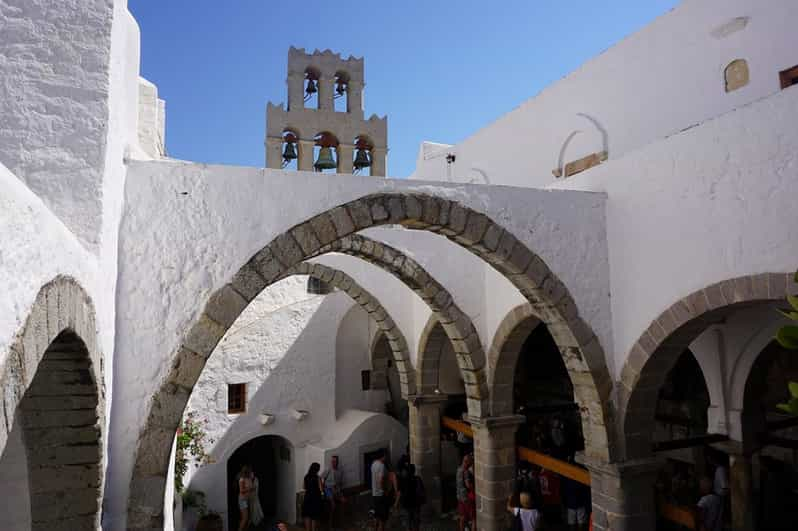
(665, 78)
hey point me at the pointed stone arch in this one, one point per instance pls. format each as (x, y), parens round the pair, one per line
(471, 229)
(53, 393)
(430, 349)
(654, 353)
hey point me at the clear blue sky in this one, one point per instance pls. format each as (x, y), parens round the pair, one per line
(439, 70)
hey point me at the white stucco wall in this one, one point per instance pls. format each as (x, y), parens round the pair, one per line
(712, 203)
(666, 77)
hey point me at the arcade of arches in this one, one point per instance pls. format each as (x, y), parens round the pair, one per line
(539, 374)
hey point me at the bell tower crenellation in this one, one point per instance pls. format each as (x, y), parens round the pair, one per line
(314, 131)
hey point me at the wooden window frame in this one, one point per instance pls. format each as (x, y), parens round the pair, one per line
(789, 77)
(232, 389)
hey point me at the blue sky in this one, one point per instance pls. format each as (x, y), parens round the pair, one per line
(439, 70)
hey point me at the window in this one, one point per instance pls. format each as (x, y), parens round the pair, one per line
(789, 77)
(236, 398)
(365, 380)
(736, 75)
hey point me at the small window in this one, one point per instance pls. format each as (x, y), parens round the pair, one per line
(317, 286)
(736, 75)
(365, 380)
(789, 77)
(236, 398)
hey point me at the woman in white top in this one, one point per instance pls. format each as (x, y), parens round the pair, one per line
(530, 517)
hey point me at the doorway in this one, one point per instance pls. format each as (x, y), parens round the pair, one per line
(271, 458)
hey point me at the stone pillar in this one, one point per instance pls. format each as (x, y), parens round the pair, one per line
(379, 159)
(623, 495)
(494, 468)
(296, 91)
(274, 155)
(345, 154)
(305, 160)
(425, 444)
(354, 98)
(325, 86)
(741, 492)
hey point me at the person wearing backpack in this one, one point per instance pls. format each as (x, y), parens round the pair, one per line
(413, 497)
(526, 517)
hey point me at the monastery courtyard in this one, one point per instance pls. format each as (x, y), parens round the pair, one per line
(580, 314)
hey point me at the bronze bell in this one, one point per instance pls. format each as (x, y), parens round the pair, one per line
(289, 153)
(325, 160)
(311, 88)
(361, 159)
(340, 88)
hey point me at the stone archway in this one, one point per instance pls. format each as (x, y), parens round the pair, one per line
(457, 325)
(658, 348)
(503, 356)
(471, 229)
(430, 349)
(53, 410)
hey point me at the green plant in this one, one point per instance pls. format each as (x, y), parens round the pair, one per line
(195, 498)
(191, 438)
(787, 337)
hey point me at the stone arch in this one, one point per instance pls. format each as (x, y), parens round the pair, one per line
(397, 344)
(456, 324)
(430, 349)
(380, 354)
(503, 356)
(658, 348)
(53, 393)
(471, 229)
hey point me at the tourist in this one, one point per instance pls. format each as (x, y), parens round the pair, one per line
(280, 526)
(527, 513)
(256, 515)
(312, 502)
(461, 486)
(378, 484)
(576, 498)
(333, 481)
(413, 497)
(709, 508)
(245, 488)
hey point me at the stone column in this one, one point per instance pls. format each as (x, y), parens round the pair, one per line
(325, 86)
(741, 492)
(305, 160)
(425, 444)
(274, 155)
(494, 468)
(345, 153)
(623, 494)
(354, 98)
(296, 91)
(379, 160)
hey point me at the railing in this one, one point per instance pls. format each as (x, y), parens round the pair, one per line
(674, 513)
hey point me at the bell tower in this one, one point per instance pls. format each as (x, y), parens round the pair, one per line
(323, 127)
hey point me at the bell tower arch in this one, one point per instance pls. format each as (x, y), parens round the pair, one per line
(321, 77)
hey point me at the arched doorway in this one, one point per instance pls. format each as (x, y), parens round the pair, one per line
(271, 457)
(776, 436)
(51, 468)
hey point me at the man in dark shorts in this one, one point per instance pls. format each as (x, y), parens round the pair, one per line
(379, 499)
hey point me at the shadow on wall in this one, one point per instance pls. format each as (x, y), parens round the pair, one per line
(303, 379)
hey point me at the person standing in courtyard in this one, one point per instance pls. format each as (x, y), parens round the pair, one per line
(312, 502)
(413, 497)
(379, 500)
(245, 489)
(333, 482)
(527, 513)
(465, 520)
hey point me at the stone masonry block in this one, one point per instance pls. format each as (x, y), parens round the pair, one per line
(306, 237)
(342, 221)
(225, 306)
(203, 336)
(360, 213)
(324, 228)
